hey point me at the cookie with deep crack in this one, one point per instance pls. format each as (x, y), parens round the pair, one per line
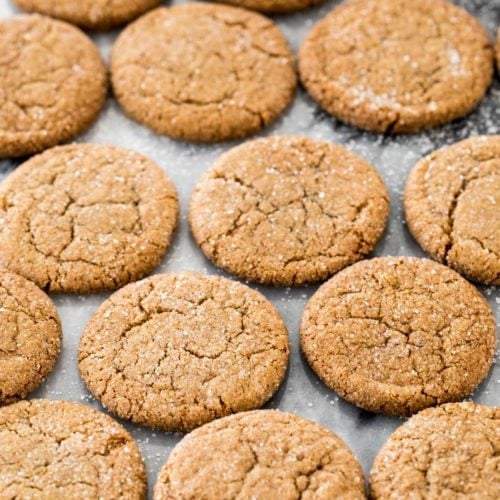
(398, 334)
(84, 218)
(30, 337)
(90, 14)
(288, 210)
(175, 351)
(52, 85)
(274, 6)
(452, 207)
(201, 72)
(442, 453)
(261, 454)
(397, 65)
(60, 449)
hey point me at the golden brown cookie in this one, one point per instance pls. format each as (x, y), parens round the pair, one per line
(175, 351)
(90, 14)
(274, 6)
(397, 65)
(60, 449)
(201, 72)
(30, 337)
(398, 334)
(443, 453)
(85, 217)
(452, 206)
(52, 84)
(288, 210)
(261, 454)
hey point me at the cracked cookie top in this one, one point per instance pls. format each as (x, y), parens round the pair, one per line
(274, 6)
(397, 65)
(52, 83)
(452, 451)
(84, 218)
(60, 449)
(261, 454)
(452, 206)
(91, 14)
(288, 210)
(201, 72)
(175, 351)
(30, 337)
(398, 334)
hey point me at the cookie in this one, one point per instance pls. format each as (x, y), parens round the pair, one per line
(52, 86)
(274, 6)
(261, 454)
(175, 351)
(288, 210)
(30, 337)
(60, 449)
(84, 218)
(452, 207)
(397, 65)
(90, 14)
(446, 452)
(201, 72)
(398, 334)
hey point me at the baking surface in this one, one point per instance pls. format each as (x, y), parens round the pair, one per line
(302, 392)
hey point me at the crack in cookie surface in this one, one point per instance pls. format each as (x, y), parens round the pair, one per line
(175, 351)
(395, 335)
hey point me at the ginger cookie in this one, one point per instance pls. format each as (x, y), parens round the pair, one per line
(261, 454)
(397, 65)
(288, 210)
(274, 6)
(447, 452)
(175, 351)
(30, 337)
(452, 206)
(52, 85)
(201, 72)
(84, 218)
(90, 14)
(60, 449)
(398, 334)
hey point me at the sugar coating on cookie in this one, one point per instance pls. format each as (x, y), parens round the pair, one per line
(83, 218)
(397, 65)
(30, 337)
(202, 72)
(398, 334)
(452, 207)
(261, 454)
(288, 210)
(53, 84)
(274, 6)
(441, 453)
(60, 449)
(175, 351)
(91, 14)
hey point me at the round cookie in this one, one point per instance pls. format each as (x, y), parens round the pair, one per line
(444, 453)
(274, 6)
(90, 14)
(261, 454)
(60, 449)
(201, 72)
(397, 65)
(452, 206)
(175, 351)
(30, 337)
(52, 86)
(84, 218)
(398, 334)
(288, 210)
